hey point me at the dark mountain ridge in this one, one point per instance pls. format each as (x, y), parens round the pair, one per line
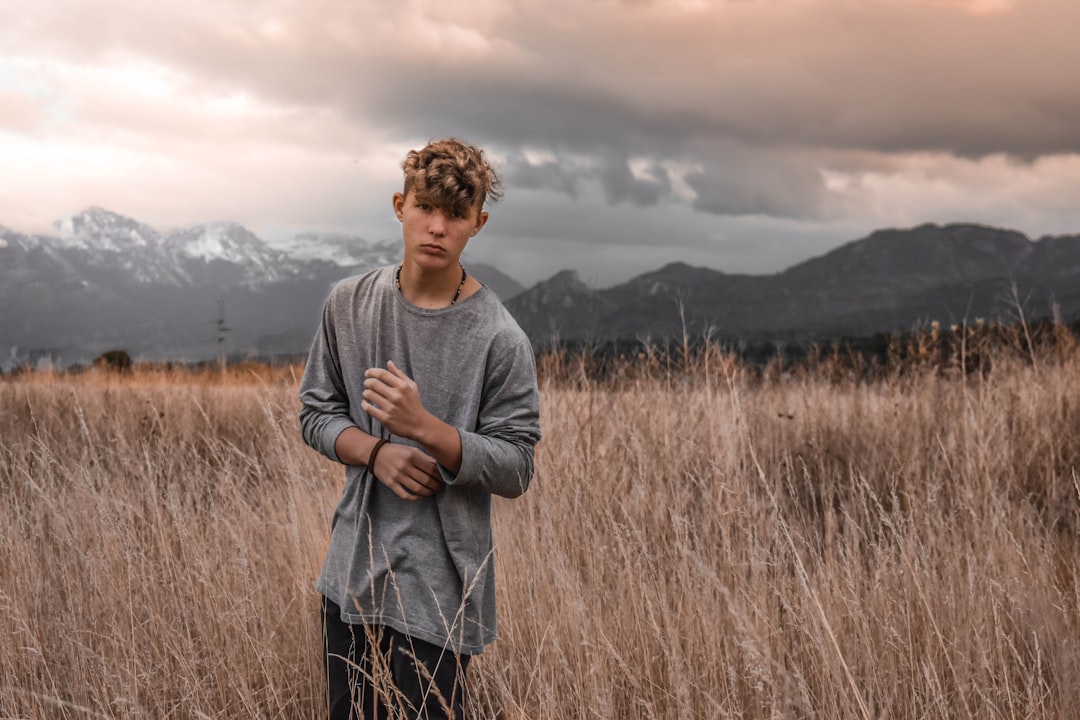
(891, 280)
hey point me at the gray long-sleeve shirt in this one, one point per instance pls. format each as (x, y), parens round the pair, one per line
(423, 567)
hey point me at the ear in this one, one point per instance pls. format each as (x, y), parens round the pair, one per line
(481, 221)
(399, 206)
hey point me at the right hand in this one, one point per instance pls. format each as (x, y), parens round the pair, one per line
(409, 472)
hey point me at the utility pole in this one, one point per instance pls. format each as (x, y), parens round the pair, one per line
(222, 332)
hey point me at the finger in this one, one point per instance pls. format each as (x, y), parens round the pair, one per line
(402, 493)
(375, 383)
(381, 375)
(417, 475)
(378, 393)
(374, 411)
(429, 469)
(425, 482)
(424, 474)
(384, 391)
(417, 487)
(404, 486)
(425, 464)
(396, 370)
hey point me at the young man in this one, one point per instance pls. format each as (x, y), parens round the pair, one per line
(422, 384)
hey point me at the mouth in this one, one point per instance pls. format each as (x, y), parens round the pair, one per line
(432, 249)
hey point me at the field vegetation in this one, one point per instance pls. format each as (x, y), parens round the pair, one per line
(703, 539)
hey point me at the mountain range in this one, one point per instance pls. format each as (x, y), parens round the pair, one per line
(889, 281)
(105, 281)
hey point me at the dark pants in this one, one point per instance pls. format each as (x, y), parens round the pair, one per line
(376, 672)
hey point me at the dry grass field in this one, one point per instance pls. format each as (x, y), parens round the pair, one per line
(701, 544)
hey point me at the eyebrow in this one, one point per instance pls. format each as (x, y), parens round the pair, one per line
(461, 207)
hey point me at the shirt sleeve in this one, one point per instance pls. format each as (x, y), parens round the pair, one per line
(497, 457)
(324, 413)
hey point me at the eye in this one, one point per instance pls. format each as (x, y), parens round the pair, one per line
(423, 206)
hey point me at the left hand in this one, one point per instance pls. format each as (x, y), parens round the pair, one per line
(392, 398)
(409, 472)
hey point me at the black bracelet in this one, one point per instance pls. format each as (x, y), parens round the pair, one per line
(375, 451)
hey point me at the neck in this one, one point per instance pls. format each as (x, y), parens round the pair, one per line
(429, 288)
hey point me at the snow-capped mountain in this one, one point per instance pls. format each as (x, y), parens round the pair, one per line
(231, 243)
(227, 241)
(98, 229)
(103, 280)
(340, 249)
(99, 238)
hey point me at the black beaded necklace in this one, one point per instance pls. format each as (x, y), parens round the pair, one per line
(461, 285)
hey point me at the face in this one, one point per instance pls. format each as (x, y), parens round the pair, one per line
(435, 238)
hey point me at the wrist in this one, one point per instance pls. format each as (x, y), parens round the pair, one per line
(375, 452)
(427, 430)
(442, 441)
(353, 446)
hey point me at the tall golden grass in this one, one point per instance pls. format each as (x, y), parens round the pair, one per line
(700, 543)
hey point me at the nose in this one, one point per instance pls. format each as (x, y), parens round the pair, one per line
(437, 223)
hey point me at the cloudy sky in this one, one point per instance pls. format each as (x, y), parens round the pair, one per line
(744, 135)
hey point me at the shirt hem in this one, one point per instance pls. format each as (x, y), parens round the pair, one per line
(407, 629)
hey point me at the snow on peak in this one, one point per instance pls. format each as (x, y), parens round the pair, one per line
(340, 249)
(231, 243)
(227, 241)
(178, 257)
(96, 228)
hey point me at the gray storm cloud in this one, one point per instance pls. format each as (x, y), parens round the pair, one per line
(556, 175)
(778, 188)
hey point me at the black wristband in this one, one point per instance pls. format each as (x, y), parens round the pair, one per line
(375, 451)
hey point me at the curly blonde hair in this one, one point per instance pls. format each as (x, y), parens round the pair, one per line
(451, 175)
